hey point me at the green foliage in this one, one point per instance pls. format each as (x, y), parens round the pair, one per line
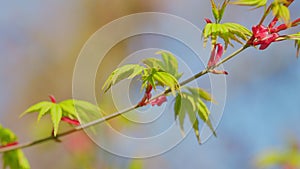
(295, 37)
(67, 108)
(281, 10)
(168, 63)
(125, 72)
(156, 72)
(297, 45)
(191, 102)
(255, 3)
(157, 77)
(136, 164)
(218, 11)
(226, 31)
(291, 157)
(12, 159)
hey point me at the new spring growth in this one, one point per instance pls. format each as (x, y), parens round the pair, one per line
(147, 96)
(264, 36)
(65, 118)
(215, 56)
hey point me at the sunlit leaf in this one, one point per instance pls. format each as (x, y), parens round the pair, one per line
(153, 63)
(281, 11)
(203, 113)
(190, 102)
(15, 160)
(181, 115)
(254, 3)
(44, 110)
(87, 111)
(194, 121)
(56, 115)
(68, 108)
(218, 11)
(297, 45)
(166, 79)
(201, 92)
(168, 63)
(136, 164)
(177, 105)
(125, 72)
(12, 159)
(36, 107)
(295, 37)
(226, 31)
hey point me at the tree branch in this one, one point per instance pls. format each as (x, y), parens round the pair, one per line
(116, 114)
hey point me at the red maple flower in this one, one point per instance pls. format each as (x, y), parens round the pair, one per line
(158, 101)
(215, 56)
(147, 96)
(264, 36)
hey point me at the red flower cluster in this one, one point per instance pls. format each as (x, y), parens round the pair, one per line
(264, 36)
(147, 96)
(158, 101)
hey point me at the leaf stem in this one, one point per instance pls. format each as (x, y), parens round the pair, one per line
(116, 114)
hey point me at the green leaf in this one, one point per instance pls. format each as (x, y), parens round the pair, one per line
(181, 115)
(153, 63)
(136, 164)
(227, 31)
(218, 11)
(215, 10)
(125, 72)
(68, 108)
(194, 121)
(56, 115)
(191, 102)
(13, 159)
(201, 93)
(222, 9)
(255, 3)
(295, 37)
(87, 112)
(36, 107)
(203, 113)
(166, 79)
(281, 11)
(44, 110)
(168, 64)
(271, 158)
(297, 45)
(177, 105)
(6, 136)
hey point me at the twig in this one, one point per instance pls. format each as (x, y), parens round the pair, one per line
(116, 114)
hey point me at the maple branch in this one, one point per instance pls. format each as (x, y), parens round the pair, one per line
(116, 114)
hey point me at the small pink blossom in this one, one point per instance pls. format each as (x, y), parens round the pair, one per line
(158, 101)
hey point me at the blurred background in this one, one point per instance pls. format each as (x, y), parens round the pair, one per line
(40, 42)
